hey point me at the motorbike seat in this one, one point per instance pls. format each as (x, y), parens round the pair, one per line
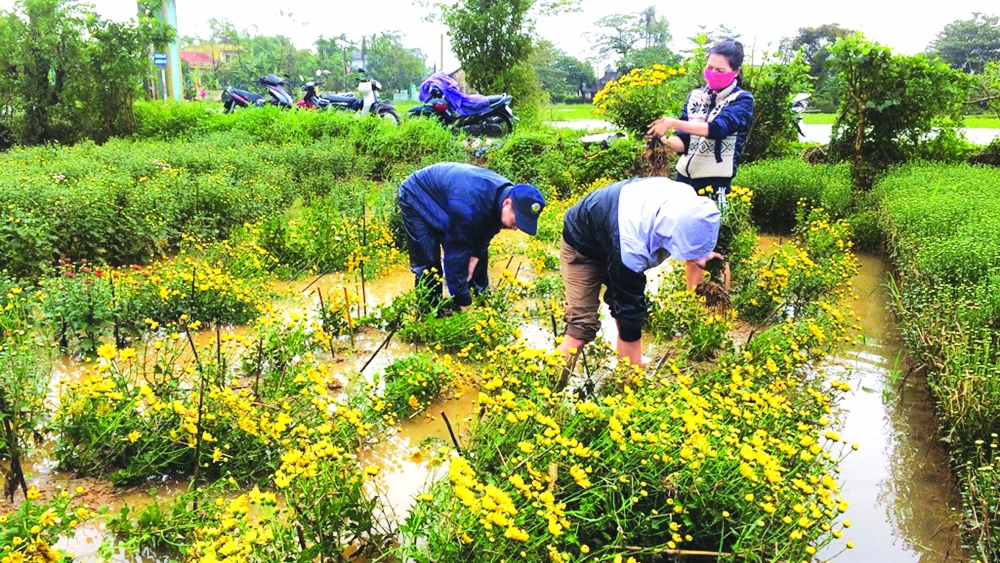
(249, 96)
(494, 99)
(338, 98)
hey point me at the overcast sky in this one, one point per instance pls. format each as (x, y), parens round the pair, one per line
(907, 27)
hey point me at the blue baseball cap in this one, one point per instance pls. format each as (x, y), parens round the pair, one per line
(528, 205)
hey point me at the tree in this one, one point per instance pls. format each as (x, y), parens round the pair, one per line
(891, 105)
(815, 43)
(648, 56)
(969, 44)
(709, 37)
(490, 38)
(394, 65)
(70, 74)
(628, 38)
(494, 40)
(561, 75)
(44, 50)
(773, 83)
(118, 56)
(986, 88)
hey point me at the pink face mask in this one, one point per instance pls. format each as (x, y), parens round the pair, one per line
(719, 80)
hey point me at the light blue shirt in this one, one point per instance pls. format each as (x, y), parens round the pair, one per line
(658, 218)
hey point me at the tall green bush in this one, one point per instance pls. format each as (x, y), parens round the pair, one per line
(70, 74)
(890, 105)
(773, 128)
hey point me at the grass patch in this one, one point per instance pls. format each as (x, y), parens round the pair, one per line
(568, 112)
(971, 122)
(943, 236)
(981, 122)
(819, 118)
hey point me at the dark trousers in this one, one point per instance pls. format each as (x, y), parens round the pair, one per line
(423, 244)
(718, 184)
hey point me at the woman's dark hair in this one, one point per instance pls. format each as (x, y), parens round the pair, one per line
(732, 50)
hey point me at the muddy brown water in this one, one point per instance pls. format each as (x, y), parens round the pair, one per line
(898, 484)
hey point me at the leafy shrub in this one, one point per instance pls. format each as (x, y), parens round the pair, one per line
(415, 381)
(773, 129)
(554, 158)
(890, 105)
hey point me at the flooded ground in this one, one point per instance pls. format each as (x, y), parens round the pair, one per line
(898, 484)
(902, 497)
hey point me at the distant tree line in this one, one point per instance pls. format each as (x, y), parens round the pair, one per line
(69, 74)
(249, 56)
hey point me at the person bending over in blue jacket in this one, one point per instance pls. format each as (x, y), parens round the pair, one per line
(612, 236)
(461, 208)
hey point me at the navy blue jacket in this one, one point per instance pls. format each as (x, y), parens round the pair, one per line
(734, 119)
(461, 203)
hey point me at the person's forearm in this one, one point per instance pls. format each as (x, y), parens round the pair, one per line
(699, 128)
(694, 274)
(675, 144)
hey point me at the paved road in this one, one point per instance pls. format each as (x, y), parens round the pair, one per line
(814, 133)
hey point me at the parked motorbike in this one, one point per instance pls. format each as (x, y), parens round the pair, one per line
(495, 119)
(233, 98)
(800, 102)
(369, 102)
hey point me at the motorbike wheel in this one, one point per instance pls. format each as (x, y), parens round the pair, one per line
(388, 114)
(506, 124)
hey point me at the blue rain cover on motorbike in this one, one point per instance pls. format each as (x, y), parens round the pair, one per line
(464, 104)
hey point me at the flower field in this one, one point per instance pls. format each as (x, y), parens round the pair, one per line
(193, 364)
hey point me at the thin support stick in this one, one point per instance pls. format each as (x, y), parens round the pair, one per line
(451, 432)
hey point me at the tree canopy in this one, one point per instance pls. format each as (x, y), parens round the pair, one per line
(633, 40)
(561, 75)
(969, 44)
(69, 73)
(815, 43)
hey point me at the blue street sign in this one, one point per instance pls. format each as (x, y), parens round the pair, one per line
(160, 59)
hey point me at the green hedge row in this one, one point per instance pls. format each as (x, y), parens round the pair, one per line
(779, 185)
(129, 200)
(942, 227)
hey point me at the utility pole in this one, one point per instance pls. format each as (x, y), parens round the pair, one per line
(167, 12)
(442, 52)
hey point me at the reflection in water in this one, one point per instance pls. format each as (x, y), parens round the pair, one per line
(404, 471)
(898, 484)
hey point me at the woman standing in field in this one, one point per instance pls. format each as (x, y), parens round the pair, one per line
(713, 125)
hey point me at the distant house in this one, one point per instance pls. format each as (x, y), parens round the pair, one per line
(590, 89)
(195, 59)
(210, 55)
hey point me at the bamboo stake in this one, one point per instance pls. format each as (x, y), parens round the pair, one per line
(350, 321)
